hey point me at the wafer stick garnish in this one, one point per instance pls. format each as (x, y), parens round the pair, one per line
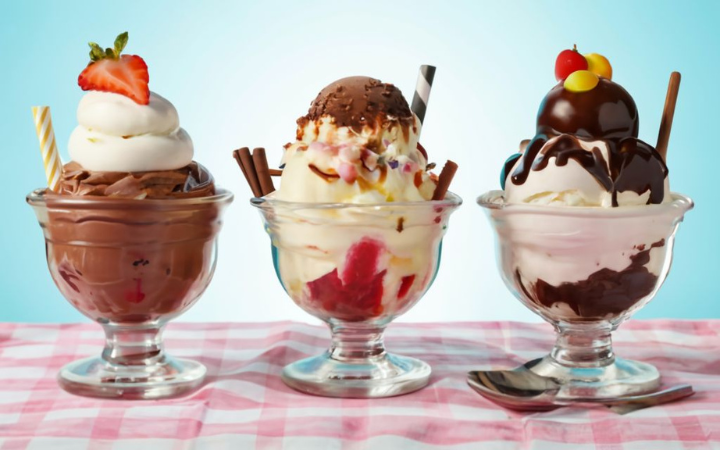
(275, 172)
(444, 180)
(262, 171)
(667, 116)
(48, 147)
(247, 166)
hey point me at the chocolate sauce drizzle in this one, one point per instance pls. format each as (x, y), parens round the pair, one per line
(608, 114)
(603, 292)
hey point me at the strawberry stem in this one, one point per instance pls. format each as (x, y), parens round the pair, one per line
(97, 53)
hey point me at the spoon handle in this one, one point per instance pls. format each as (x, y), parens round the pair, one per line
(655, 398)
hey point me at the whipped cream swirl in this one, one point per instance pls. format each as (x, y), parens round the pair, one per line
(115, 134)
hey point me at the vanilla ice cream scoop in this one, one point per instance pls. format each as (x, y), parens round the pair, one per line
(357, 144)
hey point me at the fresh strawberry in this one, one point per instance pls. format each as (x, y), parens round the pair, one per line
(109, 71)
(135, 295)
(358, 294)
(405, 284)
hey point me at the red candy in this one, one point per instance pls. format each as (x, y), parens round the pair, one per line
(569, 61)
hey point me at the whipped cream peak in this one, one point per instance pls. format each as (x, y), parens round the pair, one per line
(116, 134)
(118, 115)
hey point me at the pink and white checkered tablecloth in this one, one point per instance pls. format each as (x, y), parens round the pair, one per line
(245, 405)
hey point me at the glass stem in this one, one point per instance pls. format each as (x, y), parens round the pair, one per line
(134, 345)
(354, 342)
(580, 347)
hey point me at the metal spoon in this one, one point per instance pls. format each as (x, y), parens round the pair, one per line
(523, 390)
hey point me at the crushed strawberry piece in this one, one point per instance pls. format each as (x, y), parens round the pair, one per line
(357, 294)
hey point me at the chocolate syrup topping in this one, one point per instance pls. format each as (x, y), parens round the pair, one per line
(639, 167)
(603, 292)
(359, 101)
(608, 114)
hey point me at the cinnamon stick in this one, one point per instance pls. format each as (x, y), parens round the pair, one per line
(444, 180)
(248, 168)
(236, 155)
(263, 171)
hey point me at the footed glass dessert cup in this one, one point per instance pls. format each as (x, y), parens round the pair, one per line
(131, 266)
(356, 267)
(585, 271)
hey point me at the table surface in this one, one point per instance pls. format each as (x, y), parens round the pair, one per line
(244, 404)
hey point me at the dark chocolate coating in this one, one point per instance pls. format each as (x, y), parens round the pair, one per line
(606, 113)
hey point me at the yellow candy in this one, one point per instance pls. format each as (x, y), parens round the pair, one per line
(599, 65)
(581, 81)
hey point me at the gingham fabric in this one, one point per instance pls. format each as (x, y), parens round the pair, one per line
(245, 405)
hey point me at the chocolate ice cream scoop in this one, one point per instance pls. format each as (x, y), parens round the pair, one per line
(605, 112)
(359, 101)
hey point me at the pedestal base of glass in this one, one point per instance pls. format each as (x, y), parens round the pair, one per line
(133, 366)
(619, 378)
(384, 376)
(95, 377)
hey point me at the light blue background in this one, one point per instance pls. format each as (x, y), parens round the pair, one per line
(240, 74)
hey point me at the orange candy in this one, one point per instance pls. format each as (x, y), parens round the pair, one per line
(599, 65)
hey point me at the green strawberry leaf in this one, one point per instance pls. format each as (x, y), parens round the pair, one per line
(96, 53)
(120, 43)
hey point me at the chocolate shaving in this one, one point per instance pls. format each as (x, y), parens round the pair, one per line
(127, 187)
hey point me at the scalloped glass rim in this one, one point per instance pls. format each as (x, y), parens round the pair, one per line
(38, 197)
(494, 200)
(451, 199)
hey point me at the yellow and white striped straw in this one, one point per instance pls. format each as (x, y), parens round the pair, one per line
(48, 148)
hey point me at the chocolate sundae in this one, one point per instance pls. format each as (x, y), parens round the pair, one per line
(586, 154)
(131, 227)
